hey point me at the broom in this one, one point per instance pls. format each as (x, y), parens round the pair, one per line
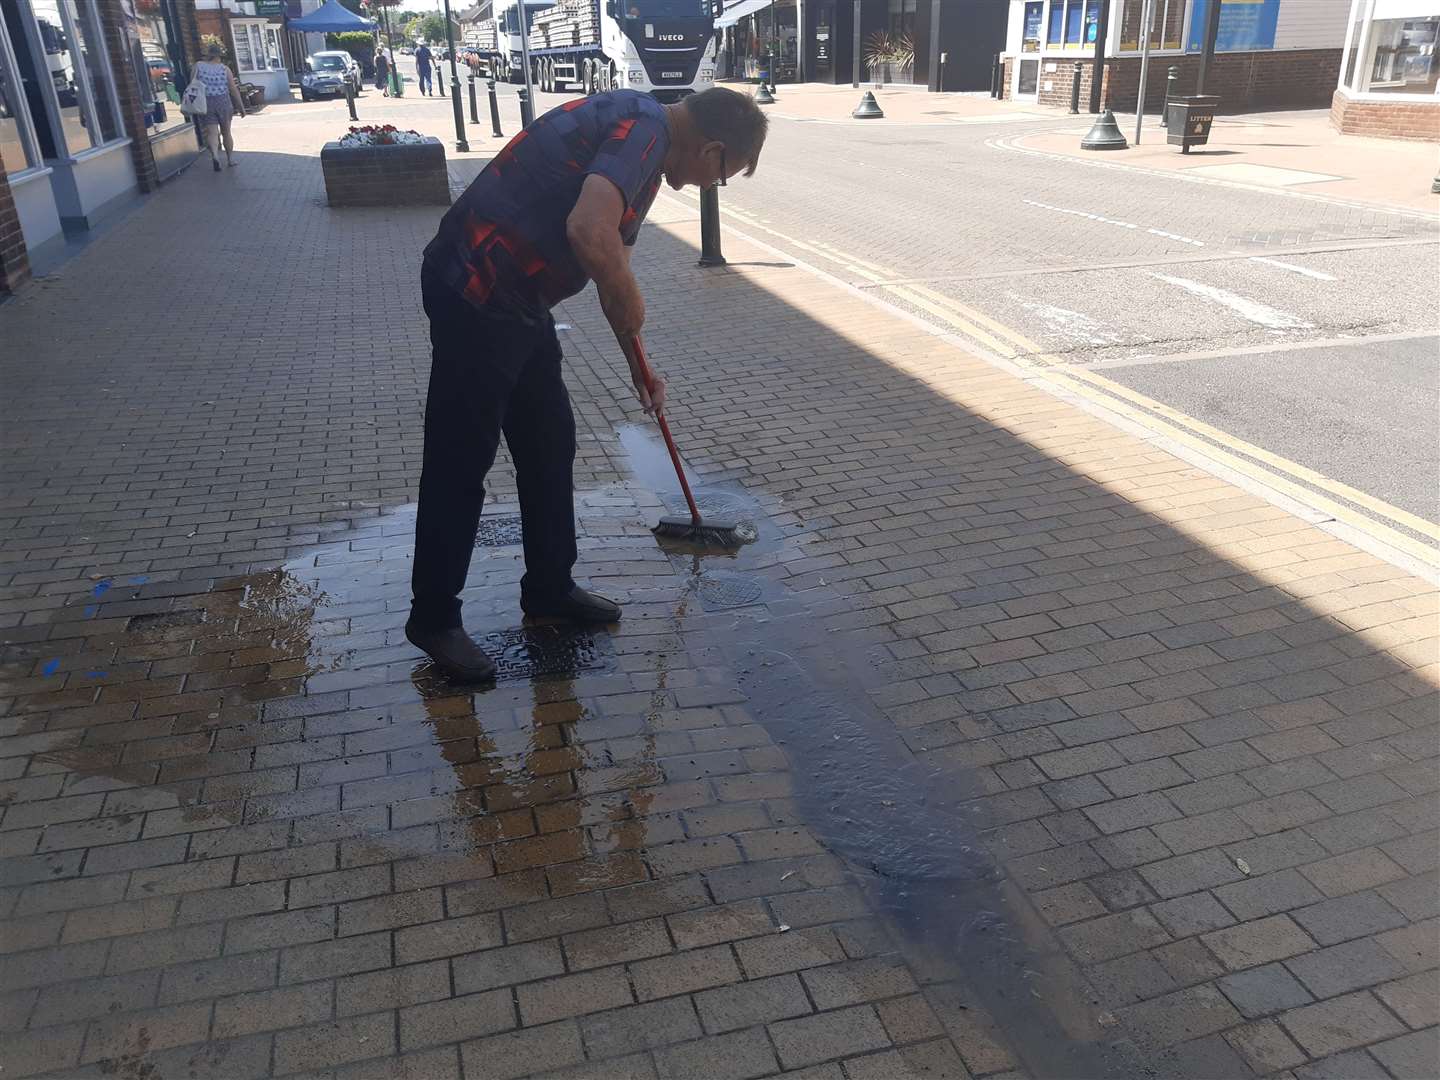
(694, 530)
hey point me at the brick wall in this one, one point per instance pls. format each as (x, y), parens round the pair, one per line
(132, 115)
(1419, 120)
(14, 264)
(386, 175)
(1298, 78)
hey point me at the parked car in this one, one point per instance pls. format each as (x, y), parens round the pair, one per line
(326, 74)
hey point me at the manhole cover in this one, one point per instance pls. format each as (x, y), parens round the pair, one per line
(502, 530)
(728, 590)
(166, 620)
(532, 652)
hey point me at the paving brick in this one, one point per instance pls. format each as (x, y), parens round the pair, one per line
(617, 944)
(1258, 942)
(790, 951)
(1190, 873)
(335, 1043)
(684, 972)
(1183, 1015)
(280, 929)
(129, 1034)
(573, 995)
(1267, 894)
(448, 937)
(269, 1010)
(520, 1053)
(1193, 914)
(327, 959)
(465, 1017)
(727, 922)
(640, 1027)
(1131, 813)
(214, 978)
(1265, 1047)
(1351, 1065)
(507, 966)
(1415, 999)
(757, 1002)
(1352, 872)
(1415, 1054)
(1417, 947)
(1340, 1023)
(813, 1039)
(93, 997)
(392, 988)
(1114, 935)
(1348, 917)
(858, 981)
(1341, 968)
(737, 1056)
(1264, 990)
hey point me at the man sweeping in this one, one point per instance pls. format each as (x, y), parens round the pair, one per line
(558, 207)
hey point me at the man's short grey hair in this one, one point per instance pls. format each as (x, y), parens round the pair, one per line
(733, 119)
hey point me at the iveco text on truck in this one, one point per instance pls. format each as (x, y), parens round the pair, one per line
(663, 47)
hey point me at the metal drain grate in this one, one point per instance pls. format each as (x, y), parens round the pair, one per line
(728, 590)
(533, 652)
(502, 530)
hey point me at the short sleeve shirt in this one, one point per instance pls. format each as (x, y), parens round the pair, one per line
(503, 245)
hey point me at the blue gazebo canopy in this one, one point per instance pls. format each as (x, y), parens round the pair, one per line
(331, 17)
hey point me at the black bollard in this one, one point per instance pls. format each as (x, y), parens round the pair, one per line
(494, 111)
(461, 143)
(710, 254)
(1075, 88)
(474, 109)
(527, 114)
(1171, 78)
(350, 99)
(997, 81)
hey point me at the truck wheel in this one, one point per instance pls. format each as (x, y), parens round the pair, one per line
(612, 78)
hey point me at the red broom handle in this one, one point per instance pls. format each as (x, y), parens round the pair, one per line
(648, 377)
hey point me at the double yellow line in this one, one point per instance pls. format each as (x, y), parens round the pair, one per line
(1331, 497)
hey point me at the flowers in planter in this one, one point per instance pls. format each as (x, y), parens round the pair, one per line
(380, 135)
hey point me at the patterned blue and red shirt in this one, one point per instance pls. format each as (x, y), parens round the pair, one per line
(503, 245)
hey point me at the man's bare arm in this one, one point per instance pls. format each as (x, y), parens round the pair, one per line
(593, 229)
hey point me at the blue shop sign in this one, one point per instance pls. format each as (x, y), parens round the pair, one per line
(1244, 25)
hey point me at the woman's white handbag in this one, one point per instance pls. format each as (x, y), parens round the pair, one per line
(193, 102)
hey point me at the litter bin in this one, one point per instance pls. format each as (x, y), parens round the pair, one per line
(1188, 120)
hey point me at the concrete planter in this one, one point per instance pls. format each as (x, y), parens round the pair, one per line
(396, 175)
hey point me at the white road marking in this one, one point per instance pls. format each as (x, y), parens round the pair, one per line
(1251, 310)
(1316, 274)
(1072, 325)
(1113, 221)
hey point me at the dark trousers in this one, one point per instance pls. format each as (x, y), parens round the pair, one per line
(490, 375)
(423, 76)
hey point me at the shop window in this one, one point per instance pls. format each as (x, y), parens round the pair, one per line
(1402, 56)
(902, 17)
(90, 43)
(1166, 30)
(251, 50)
(1073, 23)
(1030, 34)
(17, 144)
(154, 63)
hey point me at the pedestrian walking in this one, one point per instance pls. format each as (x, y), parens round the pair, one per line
(382, 71)
(423, 61)
(558, 207)
(222, 96)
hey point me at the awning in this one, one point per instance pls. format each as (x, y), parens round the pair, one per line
(331, 17)
(735, 12)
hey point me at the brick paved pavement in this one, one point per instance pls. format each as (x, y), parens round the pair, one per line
(1031, 751)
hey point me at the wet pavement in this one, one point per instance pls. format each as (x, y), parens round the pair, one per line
(1009, 746)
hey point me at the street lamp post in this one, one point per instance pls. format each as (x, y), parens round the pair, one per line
(527, 101)
(461, 143)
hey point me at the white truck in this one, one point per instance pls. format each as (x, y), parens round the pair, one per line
(495, 38)
(663, 47)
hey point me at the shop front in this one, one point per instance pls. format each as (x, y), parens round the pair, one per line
(1268, 53)
(66, 152)
(154, 37)
(1390, 79)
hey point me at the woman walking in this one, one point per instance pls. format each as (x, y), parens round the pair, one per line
(222, 95)
(382, 71)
